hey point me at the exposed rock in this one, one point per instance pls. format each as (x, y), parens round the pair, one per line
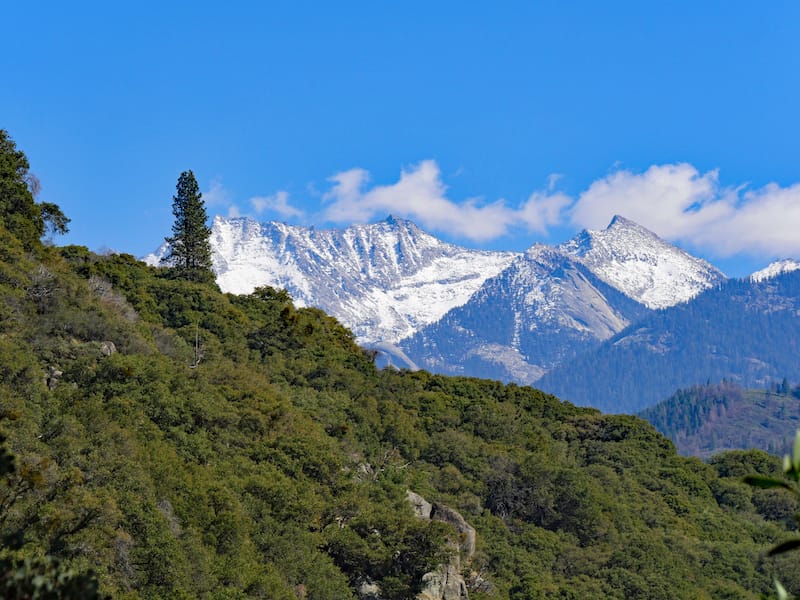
(446, 582)
(53, 377)
(368, 590)
(440, 512)
(422, 508)
(107, 348)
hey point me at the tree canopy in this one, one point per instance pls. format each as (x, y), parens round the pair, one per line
(19, 211)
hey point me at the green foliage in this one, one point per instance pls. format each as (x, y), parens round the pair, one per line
(55, 221)
(791, 483)
(19, 212)
(189, 249)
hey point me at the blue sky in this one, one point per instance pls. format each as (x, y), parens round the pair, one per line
(491, 126)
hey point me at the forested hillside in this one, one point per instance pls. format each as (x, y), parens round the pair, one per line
(706, 419)
(183, 443)
(744, 331)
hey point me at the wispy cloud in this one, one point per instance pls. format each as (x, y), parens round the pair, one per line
(420, 195)
(216, 195)
(276, 203)
(218, 199)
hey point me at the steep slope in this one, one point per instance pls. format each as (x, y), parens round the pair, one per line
(640, 264)
(745, 331)
(383, 281)
(708, 419)
(542, 310)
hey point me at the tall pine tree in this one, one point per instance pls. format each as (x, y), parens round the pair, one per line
(189, 248)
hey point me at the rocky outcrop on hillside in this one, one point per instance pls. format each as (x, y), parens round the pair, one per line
(446, 582)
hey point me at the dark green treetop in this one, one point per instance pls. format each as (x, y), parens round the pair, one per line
(189, 252)
(19, 212)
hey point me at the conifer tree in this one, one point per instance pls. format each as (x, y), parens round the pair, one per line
(189, 247)
(19, 211)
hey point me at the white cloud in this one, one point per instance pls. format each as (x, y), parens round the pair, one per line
(672, 200)
(219, 199)
(277, 202)
(679, 203)
(766, 222)
(676, 201)
(552, 180)
(420, 195)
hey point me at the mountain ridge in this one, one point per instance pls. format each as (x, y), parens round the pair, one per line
(743, 330)
(388, 280)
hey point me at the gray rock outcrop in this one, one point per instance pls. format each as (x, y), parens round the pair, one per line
(446, 581)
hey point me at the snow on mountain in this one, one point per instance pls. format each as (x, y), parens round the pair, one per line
(776, 268)
(546, 307)
(383, 281)
(496, 314)
(639, 263)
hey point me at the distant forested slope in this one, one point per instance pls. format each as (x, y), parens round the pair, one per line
(743, 331)
(707, 419)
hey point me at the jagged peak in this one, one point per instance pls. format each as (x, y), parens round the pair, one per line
(395, 222)
(623, 225)
(620, 221)
(538, 249)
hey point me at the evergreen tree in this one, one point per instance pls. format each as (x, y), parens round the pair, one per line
(189, 251)
(18, 210)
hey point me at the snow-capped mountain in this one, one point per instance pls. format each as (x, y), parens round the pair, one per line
(546, 307)
(640, 264)
(383, 281)
(429, 303)
(774, 269)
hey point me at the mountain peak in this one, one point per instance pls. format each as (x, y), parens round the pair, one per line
(395, 222)
(642, 265)
(383, 279)
(619, 220)
(776, 268)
